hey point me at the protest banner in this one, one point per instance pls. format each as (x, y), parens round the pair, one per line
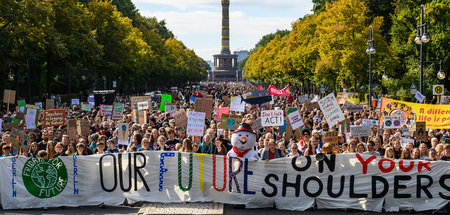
(49, 104)
(220, 112)
(9, 96)
(75, 101)
(231, 121)
(271, 118)
(331, 110)
(357, 181)
(171, 109)
(274, 91)
(391, 122)
(294, 118)
(123, 133)
(360, 130)
(257, 124)
(54, 117)
(445, 100)
(21, 104)
(165, 99)
(204, 105)
(196, 123)
(237, 104)
(106, 110)
(142, 105)
(256, 94)
(86, 106)
(435, 116)
(30, 121)
(330, 137)
(83, 127)
(72, 130)
(369, 122)
(181, 119)
(421, 131)
(310, 106)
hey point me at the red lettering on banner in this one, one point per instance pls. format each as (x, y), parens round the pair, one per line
(386, 170)
(365, 162)
(406, 169)
(423, 164)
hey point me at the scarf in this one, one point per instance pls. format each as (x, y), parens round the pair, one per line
(239, 153)
(207, 149)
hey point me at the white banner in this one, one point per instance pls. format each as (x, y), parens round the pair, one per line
(331, 110)
(350, 180)
(272, 118)
(392, 122)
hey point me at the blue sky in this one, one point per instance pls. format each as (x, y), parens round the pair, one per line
(197, 23)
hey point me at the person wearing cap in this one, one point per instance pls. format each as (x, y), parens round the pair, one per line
(6, 151)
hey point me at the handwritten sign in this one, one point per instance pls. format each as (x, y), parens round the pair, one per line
(330, 137)
(181, 119)
(360, 130)
(237, 104)
(272, 118)
(117, 113)
(30, 121)
(55, 117)
(171, 109)
(311, 106)
(421, 131)
(72, 129)
(83, 127)
(204, 105)
(142, 105)
(196, 123)
(331, 110)
(9, 96)
(294, 118)
(75, 101)
(106, 110)
(369, 122)
(85, 106)
(230, 121)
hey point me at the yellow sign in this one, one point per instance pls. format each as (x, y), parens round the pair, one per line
(435, 116)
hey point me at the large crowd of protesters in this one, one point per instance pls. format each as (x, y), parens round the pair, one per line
(160, 133)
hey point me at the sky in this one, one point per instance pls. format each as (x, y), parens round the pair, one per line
(197, 23)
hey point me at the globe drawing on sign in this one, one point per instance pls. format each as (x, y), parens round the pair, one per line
(397, 122)
(388, 123)
(44, 175)
(230, 122)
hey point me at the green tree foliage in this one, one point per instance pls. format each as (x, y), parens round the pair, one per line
(46, 44)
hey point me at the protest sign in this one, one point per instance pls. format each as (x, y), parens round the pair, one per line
(303, 99)
(355, 108)
(369, 122)
(39, 104)
(10, 126)
(19, 116)
(421, 131)
(106, 110)
(331, 110)
(237, 104)
(123, 133)
(231, 121)
(140, 116)
(391, 122)
(196, 123)
(165, 99)
(21, 104)
(142, 105)
(49, 104)
(19, 139)
(105, 97)
(75, 101)
(86, 106)
(311, 106)
(137, 99)
(445, 100)
(9, 96)
(257, 124)
(404, 141)
(419, 97)
(83, 127)
(72, 130)
(436, 116)
(360, 130)
(54, 117)
(181, 119)
(271, 118)
(34, 111)
(91, 100)
(345, 126)
(220, 112)
(1, 124)
(204, 105)
(330, 137)
(30, 121)
(171, 109)
(294, 118)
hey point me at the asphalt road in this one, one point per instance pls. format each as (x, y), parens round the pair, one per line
(228, 210)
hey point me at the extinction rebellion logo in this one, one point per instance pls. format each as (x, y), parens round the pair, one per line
(44, 178)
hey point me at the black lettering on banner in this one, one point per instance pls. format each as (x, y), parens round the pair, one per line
(352, 189)
(295, 185)
(375, 179)
(305, 186)
(331, 163)
(443, 185)
(421, 187)
(300, 169)
(122, 186)
(138, 172)
(398, 186)
(330, 187)
(101, 173)
(274, 187)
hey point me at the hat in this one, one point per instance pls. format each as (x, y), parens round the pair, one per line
(245, 127)
(306, 130)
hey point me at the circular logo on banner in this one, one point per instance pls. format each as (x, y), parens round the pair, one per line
(44, 178)
(396, 122)
(231, 122)
(404, 111)
(388, 123)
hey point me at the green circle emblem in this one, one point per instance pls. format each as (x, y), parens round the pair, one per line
(44, 178)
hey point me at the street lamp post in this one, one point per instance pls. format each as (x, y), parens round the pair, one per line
(370, 51)
(421, 38)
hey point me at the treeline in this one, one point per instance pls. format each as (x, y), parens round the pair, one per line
(71, 46)
(329, 47)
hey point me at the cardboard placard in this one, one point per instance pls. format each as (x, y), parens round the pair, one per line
(83, 127)
(123, 133)
(137, 99)
(55, 117)
(72, 129)
(231, 121)
(181, 119)
(140, 116)
(171, 109)
(106, 110)
(142, 105)
(330, 137)
(86, 106)
(204, 105)
(117, 113)
(9, 96)
(311, 106)
(391, 122)
(49, 104)
(10, 126)
(271, 118)
(237, 104)
(421, 131)
(257, 124)
(294, 118)
(360, 130)
(33, 110)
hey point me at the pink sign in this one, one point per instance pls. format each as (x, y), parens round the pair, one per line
(220, 111)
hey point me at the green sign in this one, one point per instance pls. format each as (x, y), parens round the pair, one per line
(165, 99)
(44, 178)
(21, 105)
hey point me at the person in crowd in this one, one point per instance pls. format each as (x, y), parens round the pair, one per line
(371, 149)
(446, 153)
(344, 147)
(162, 144)
(397, 149)
(415, 154)
(282, 147)
(50, 149)
(43, 154)
(351, 146)
(304, 141)
(389, 153)
(406, 154)
(172, 140)
(6, 151)
(80, 149)
(360, 148)
(59, 149)
(312, 147)
(71, 149)
(100, 148)
(207, 145)
(219, 149)
(187, 145)
(33, 150)
(424, 152)
(294, 150)
(111, 147)
(272, 152)
(145, 145)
